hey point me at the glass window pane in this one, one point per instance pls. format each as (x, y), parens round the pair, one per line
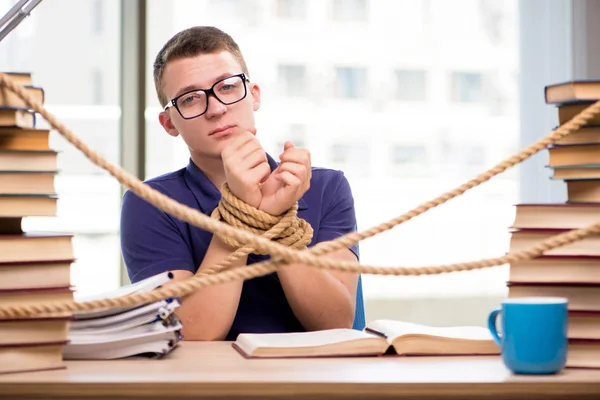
(292, 80)
(407, 155)
(78, 68)
(412, 85)
(291, 9)
(97, 13)
(467, 87)
(349, 10)
(295, 133)
(351, 82)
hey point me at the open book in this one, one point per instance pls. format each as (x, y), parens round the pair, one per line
(378, 338)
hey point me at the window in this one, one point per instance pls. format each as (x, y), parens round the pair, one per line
(98, 16)
(84, 96)
(221, 12)
(351, 157)
(349, 10)
(402, 155)
(291, 9)
(292, 80)
(412, 85)
(475, 155)
(97, 87)
(296, 133)
(492, 16)
(340, 153)
(467, 87)
(225, 7)
(462, 158)
(351, 82)
(497, 93)
(409, 160)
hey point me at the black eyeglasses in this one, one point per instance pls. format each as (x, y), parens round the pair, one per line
(194, 103)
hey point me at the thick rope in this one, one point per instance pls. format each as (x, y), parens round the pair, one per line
(288, 229)
(190, 285)
(283, 255)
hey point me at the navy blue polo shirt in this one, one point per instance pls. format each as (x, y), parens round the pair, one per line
(153, 241)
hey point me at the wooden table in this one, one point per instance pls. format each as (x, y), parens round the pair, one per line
(215, 370)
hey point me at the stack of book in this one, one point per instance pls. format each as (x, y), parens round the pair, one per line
(151, 330)
(34, 266)
(571, 271)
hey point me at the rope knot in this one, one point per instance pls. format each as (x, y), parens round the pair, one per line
(286, 229)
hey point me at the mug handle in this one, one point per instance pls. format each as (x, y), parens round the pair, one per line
(492, 326)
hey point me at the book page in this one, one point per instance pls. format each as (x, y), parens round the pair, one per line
(143, 286)
(302, 339)
(107, 348)
(124, 338)
(161, 309)
(393, 329)
(142, 331)
(157, 348)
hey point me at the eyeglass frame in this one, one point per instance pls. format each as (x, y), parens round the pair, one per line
(209, 92)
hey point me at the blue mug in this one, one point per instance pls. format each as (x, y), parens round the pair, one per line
(534, 334)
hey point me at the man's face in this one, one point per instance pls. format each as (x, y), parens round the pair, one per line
(207, 134)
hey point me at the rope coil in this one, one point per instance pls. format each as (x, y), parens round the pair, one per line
(287, 230)
(283, 255)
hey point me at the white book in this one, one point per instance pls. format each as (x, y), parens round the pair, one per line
(156, 349)
(126, 329)
(141, 331)
(152, 344)
(142, 315)
(151, 329)
(143, 286)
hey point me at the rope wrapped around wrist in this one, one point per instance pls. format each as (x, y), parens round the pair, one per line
(286, 229)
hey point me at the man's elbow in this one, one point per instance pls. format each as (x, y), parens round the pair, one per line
(339, 319)
(198, 330)
(347, 318)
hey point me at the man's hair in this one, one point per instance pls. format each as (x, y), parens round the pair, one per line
(193, 42)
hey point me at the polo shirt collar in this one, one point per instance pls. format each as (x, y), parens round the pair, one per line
(208, 195)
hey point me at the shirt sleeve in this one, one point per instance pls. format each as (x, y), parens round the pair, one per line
(340, 217)
(151, 242)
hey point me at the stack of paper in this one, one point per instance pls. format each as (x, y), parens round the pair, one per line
(150, 330)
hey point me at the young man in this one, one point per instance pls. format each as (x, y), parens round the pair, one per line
(209, 100)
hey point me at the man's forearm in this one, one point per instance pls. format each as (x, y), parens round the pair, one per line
(207, 314)
(319, 299)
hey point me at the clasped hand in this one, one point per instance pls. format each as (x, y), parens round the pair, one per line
(249, 175)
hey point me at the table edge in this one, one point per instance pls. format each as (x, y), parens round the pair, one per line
(285, 389)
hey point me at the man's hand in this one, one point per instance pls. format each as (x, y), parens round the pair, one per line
(246, 166)
(288, 183)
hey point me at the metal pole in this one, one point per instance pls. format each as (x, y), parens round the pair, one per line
(15, 15)
(12, 12)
